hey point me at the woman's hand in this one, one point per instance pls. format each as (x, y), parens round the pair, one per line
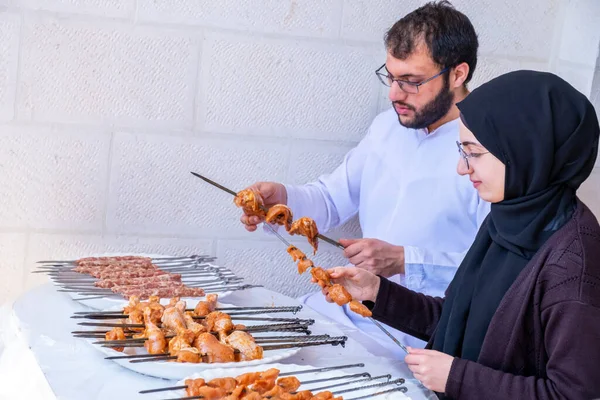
(430, 367)
(361, 284)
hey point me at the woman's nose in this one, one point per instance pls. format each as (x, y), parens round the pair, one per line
(462, 167)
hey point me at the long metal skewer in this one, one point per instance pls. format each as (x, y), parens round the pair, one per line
(307, 371)
(370, 318)
(205, 179)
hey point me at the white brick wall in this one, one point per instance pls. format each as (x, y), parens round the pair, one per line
(106, 105)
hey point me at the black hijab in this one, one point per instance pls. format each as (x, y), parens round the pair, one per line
(546, 134)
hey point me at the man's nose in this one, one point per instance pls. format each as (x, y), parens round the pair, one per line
(397, 94)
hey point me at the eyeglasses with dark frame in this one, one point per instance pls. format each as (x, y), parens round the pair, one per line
(409, 87)
(466, 155)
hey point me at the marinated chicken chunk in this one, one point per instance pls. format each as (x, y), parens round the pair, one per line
(275, 392)
(218, 321)
(323, 396)
(203, 308)
(289, 383)
(173, 318)
(246, 344)
(193, 385)
(192, 325)
(306, 227)
(303, 395)
(179, 342)
(321, 276)
(281, 215)
(251, 202)
(304, 265)
(207, 393)
(228, 384)
(215, 351)
(155, 342)
(247, 378)
(360, 308)
(116, 333)
(296, 253)
(189, 355)
(339, 294)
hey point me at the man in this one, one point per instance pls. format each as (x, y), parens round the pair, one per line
(417, 215)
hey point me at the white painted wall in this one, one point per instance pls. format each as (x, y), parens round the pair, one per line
(106, 105)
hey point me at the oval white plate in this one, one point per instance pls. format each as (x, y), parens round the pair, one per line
(233, 372)
(105, 303)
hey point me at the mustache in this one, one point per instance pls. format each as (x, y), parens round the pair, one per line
(401, 104)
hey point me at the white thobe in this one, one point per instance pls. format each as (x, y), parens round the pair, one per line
(404, 186)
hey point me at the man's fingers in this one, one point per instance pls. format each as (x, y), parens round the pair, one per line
(354, 249)
(348, 242)
(254, 220)
(358, 259)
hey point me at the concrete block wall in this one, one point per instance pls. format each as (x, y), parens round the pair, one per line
(106, 105)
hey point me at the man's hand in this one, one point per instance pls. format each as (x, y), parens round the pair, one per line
(362, 285)
(375, 255)
(430, 367)
(272, 193)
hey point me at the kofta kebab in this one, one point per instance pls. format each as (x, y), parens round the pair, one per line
(252, 204)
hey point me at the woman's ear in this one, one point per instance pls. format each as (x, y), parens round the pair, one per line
(460, 74)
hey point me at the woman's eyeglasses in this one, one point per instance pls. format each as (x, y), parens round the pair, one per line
(466, 155)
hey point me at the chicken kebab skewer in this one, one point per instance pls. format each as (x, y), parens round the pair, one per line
(336, 292)
(280, 214)
(204, 310)
(271, 384)
(181, 336)
(245, 379)
(252, 202)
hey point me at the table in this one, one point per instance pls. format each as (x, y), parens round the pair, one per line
(72, 369)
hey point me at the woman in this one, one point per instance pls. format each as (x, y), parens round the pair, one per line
(521, 319)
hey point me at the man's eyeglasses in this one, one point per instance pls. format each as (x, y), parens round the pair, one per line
(466, 155)
(409, 87)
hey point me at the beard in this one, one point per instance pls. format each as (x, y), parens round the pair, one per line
(431, 112)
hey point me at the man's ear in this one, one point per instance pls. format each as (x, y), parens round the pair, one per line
(459, 75)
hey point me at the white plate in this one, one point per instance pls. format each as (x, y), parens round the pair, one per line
(107, 302)
(233, 372)
(175, 370)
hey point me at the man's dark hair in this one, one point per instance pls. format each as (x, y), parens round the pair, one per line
(448, 34)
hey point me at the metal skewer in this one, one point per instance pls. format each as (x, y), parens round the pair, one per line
(370, 318)
(293, 309)
(153, 259)
(265, 348)
(307, 371)
(320, 236)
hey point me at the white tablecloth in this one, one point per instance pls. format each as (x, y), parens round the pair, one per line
(72, 370)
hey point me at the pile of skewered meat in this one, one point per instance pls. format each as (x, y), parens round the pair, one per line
(253, 386)
(337, 292)
(171, 330)
(134, 276)
(253, 205)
